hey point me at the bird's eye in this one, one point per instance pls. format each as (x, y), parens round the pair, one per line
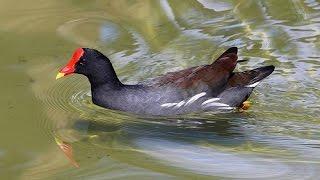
(81, 63)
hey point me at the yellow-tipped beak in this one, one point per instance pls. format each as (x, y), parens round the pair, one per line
(59, 75)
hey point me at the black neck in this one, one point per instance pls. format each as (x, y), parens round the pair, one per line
(97, 81)
(103, 74)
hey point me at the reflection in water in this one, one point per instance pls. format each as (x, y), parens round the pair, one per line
(202, 146)
(204, 160)
(277, 138)
(67, 150)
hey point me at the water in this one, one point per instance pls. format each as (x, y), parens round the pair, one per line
(278, 138)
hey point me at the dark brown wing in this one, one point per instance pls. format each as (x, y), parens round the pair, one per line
(232, 50)
(214, 76)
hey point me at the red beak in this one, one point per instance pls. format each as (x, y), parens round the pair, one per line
(70, 67)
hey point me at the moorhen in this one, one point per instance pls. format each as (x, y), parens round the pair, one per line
(213, 87)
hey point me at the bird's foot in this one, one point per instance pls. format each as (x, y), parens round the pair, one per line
(245, 106)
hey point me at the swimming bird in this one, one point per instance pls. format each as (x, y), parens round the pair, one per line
(212, 87)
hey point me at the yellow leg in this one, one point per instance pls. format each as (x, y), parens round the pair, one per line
(245, 105)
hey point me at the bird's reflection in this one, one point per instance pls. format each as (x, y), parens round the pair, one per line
(218, 130)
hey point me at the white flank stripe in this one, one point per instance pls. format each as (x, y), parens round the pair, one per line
(180, 104)
(210, 101)
(253, 85)
(195, 97)
(168, 104)
(217, 104)
(226, 108)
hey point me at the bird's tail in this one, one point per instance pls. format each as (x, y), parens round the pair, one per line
(241, 84)
(251, 77)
